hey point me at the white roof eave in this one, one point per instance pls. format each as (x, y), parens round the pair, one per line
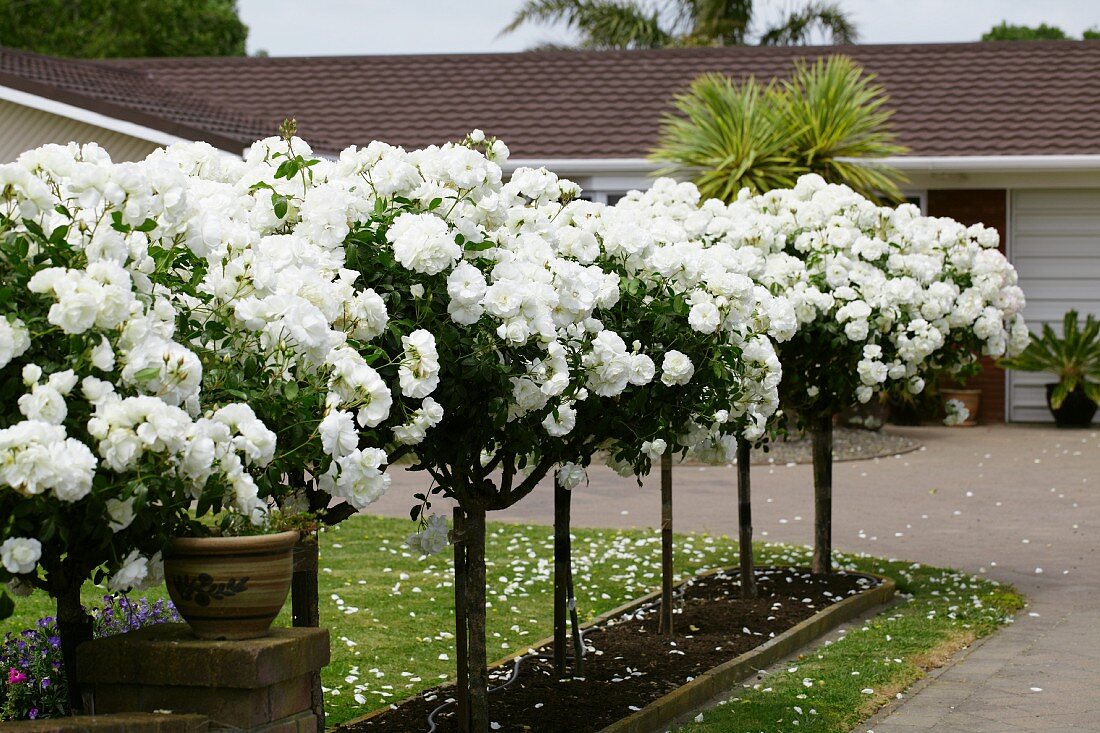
(914, 163)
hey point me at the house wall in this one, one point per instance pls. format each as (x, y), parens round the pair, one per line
(23, 128)
(987, 206)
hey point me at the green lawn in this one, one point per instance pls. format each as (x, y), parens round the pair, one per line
(391, 615)
(834, 688)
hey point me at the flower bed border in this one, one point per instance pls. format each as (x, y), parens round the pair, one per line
(707, 685)
(717, 680)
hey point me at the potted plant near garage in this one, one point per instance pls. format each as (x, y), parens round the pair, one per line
(1075, 360)
(960, 401)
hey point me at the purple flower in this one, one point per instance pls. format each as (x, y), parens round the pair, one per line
(46, 682)
(32, 713)
(15, 676)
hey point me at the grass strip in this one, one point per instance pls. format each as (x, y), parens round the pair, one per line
(843, 682)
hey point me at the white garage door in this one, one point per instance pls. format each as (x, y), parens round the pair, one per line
(1056, 250)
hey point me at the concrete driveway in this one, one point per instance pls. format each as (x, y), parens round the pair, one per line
(1019, 504)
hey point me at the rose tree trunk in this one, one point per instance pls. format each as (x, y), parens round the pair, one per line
(666, 543)
(74, 626)
(823, 495)
(744, 519)
(477, 658)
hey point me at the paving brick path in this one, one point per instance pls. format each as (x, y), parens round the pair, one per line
(1019, 504)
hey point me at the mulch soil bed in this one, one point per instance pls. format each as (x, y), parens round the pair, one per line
(630, 664)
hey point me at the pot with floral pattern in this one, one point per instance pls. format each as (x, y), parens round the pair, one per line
(230, 587)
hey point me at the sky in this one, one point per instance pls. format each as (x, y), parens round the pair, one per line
(337, 27)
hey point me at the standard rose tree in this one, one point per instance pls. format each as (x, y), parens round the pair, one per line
(106, 436)
(885, 299)
(708, 371)
(409, 301)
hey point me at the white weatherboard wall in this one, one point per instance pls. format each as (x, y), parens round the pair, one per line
(23, 128)
(1055, 246)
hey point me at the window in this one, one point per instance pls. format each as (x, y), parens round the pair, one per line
(603, 197)
(920, 200)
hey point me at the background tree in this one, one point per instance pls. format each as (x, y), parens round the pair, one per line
(634, 24)
(1041, 32)
(123, 28)
(731, 135)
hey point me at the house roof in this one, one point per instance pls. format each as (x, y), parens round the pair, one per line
(128, 94)
(964, 99)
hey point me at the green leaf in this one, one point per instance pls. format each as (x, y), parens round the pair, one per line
(290, 389)
(279, 203)
(146, 374)
(116, 222)
(478, 246)
(7, 605)
(1092, 391)
(1058, 396)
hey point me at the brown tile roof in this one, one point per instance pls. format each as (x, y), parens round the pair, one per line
(129, 94)
(950, 99)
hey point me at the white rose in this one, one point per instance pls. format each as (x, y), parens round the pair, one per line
(44, 404)
(131, 575)
(676, 368)
(642, 369)
(433, 539)
(103, 356)
(569, 475)
(19, 555)
(14, 340)
(704, 317)
(419, 370)
(75, 312)
(369, 314)
(338, 434)
(856, 330)
(655, 448)
(121, 513)
(423, 243)
(561, 421)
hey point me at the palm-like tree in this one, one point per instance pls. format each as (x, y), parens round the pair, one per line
(828, 118)
(727, 136)
(634, 24)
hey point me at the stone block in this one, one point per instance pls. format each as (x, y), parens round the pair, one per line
(301, 723)
(117, 723)
(169, 655)
(230, 706)
(255, 685)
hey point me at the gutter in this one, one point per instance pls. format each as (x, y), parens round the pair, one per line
(584, 166)
(982, 163)
(909, 163)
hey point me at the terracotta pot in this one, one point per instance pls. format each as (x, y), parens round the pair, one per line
(230, 587)
(972, 398)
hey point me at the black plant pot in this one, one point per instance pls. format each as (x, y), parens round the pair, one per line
(1077, 409)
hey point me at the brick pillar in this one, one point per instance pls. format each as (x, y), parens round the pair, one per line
(979, 206)
(253, 685)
